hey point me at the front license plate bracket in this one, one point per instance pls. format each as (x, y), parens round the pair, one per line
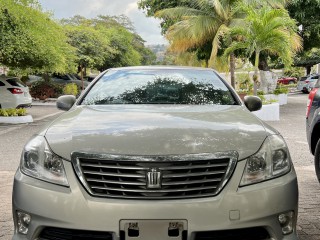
(153, 229)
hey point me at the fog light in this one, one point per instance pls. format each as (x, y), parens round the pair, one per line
(286, 222)
(24, 220)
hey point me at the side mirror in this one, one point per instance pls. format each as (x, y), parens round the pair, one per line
(253, 103)
(66, 102)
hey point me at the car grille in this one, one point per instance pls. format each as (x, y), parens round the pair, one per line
(154, 177)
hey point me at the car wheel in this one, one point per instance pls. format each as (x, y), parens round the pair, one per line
(317, 160)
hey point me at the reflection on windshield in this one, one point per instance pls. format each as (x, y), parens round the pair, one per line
(159, 87)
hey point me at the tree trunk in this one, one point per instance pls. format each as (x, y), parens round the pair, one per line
(81, 76)
(308, 68)
(255, 76)
(232, 69)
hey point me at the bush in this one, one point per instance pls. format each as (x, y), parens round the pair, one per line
(243, 80)
(12, 112)
(45, 89)
(70, 89)
(280, 90)
(294, 72)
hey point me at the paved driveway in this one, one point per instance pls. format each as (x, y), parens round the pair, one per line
(291, 125)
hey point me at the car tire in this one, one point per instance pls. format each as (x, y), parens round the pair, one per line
(317, 160)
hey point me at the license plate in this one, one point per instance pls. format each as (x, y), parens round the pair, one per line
(153, 229)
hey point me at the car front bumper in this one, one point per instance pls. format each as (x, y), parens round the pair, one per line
(257, 205)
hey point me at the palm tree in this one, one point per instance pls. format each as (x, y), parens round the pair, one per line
(206, 21)
(268, 30)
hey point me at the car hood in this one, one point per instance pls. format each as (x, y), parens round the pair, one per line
(156, 130)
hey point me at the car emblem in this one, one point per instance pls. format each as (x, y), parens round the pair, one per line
(153, 178)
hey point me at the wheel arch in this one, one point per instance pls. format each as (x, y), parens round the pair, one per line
(315, 137)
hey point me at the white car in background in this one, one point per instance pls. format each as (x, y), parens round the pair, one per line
(305, 84)
(14, 93)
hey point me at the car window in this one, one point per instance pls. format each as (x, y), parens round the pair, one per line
(160, 87)
(315, 77)
(1, 84)
(317, 84)
(15, 82)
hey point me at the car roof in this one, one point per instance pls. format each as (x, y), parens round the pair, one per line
(3, 77)
(159, 67)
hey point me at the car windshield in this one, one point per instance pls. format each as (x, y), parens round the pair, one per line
(169, 86)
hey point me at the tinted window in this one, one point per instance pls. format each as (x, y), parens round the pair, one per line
(64, 77)
(1, 84)
(15, 82)
(170, 86)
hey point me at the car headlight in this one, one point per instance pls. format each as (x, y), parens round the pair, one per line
(39, 162)
(272, 160)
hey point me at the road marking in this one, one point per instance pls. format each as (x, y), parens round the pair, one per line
(302, 142)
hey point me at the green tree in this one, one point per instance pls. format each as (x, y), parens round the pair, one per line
(265, 29)
(306, 12)
(106, 41)
(202, 24)
(92, 46)
(205, 21)
(29, 39)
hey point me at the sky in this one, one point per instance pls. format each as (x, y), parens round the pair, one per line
(148, 28)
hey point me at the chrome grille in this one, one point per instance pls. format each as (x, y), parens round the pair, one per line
(154, 177)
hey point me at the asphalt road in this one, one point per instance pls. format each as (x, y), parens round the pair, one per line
(291, 126)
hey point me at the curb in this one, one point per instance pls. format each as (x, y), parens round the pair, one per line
(16, 120)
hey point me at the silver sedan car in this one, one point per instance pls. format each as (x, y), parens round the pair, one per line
(156, 153)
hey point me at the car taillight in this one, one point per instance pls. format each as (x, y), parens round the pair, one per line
(310, 100)
(15, 90)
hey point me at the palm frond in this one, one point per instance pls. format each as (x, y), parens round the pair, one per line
(178, 12)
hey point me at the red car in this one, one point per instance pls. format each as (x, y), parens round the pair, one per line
(287, 80)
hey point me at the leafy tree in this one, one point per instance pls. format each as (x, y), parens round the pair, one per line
(266, 29)
(152, 6)
(106, 41)
(306, 12)
(124, 53)
(148, 57)
(201, 24)
(29, 39)
(92, 46)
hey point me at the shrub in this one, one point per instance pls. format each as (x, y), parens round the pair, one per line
(70, 89)
(21, 112)
(281, 90)
(243, 80)
(45, 89)
(3, 113)
(12, 112)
